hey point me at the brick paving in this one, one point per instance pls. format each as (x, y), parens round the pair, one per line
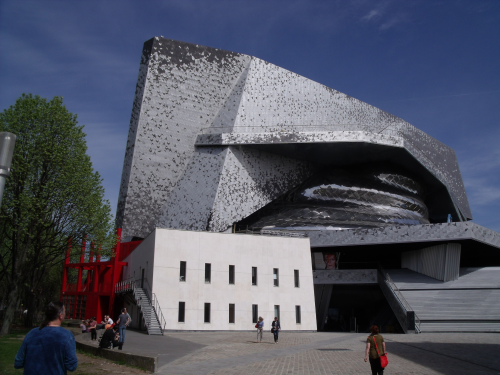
(228, 353)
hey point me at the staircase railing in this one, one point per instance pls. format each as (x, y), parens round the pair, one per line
(159, 315)
(404, 313)
(131, 285)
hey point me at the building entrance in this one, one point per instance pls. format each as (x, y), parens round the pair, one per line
(355, 308)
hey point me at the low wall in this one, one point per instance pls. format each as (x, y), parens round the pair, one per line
(144, 362)
(345, 276)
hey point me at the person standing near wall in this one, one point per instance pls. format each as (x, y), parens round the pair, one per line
(260, 328)
(276, 327)
(93, 329)
(50, 349)
(123, 321)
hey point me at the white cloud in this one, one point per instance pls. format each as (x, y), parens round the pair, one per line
(371, 14)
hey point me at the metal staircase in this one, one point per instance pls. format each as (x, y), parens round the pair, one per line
(150, 308)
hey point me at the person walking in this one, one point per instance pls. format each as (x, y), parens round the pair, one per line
(374, 341)
(260, 328)
(123, 321)
(276, 327)
(49, 349)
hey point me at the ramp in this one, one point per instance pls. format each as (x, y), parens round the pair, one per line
(469, 304)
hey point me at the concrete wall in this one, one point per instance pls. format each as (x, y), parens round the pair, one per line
(167, 248)
(345, 276)
(441, 262)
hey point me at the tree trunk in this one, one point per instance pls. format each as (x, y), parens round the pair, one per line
(30, 306)
(12, 303)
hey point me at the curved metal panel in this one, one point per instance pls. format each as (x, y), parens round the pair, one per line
(370, 196)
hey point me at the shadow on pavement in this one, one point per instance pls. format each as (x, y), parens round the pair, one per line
(436, 356)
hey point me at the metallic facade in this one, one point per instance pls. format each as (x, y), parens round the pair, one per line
(215, 136)
(332, 199)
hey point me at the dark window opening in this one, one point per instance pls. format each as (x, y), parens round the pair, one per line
(296, 278)
(231, 274)
(276, 277)
(231, 313)
(182, 309)
(182, 273)
(208, 272)
(254, 275)
(255, 313)
(207, 313)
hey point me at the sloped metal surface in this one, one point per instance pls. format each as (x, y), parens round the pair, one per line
(186, 92)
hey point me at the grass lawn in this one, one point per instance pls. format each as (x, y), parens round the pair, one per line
(9, 345)
(87, 364)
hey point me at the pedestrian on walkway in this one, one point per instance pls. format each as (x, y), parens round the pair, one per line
(260, 328)
(49, 349)
(371, 350)
(276, 327)
(123, 321)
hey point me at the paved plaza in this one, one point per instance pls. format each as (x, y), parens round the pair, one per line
(213, 353)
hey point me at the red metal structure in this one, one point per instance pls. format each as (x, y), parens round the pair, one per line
(94, 296)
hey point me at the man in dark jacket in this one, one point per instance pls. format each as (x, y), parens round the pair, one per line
(276, 327)
(109, 339)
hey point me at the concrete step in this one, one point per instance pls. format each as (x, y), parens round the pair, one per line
(469, 304)
(459, 327)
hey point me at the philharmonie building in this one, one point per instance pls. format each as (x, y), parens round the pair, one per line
(248, 190)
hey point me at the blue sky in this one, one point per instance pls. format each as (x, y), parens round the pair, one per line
(436, 64)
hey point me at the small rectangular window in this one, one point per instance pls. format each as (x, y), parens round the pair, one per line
(277, 312)
(254, 275)
(296, 278)
(231, 313)
(208, 272)
(255, 313)
(231, 274)
(182, 274)
(297, 314)
(182, 309)
(207, 313)
(276, 277)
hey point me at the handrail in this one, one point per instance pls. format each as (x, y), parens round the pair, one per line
(403, 311)
(396, 290)
(159, 314)
(131, 285)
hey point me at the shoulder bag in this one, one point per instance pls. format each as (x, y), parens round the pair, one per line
(383, 358)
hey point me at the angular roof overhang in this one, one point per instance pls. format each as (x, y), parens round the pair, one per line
(415, 236)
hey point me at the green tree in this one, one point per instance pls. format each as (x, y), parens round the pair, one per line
(52, 195)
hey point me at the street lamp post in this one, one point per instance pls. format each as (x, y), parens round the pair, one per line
(7, 142)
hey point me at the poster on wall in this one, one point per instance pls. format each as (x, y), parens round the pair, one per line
(326, 261)
(330, 261)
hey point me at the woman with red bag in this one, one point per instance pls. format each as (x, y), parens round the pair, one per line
(375, 349)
